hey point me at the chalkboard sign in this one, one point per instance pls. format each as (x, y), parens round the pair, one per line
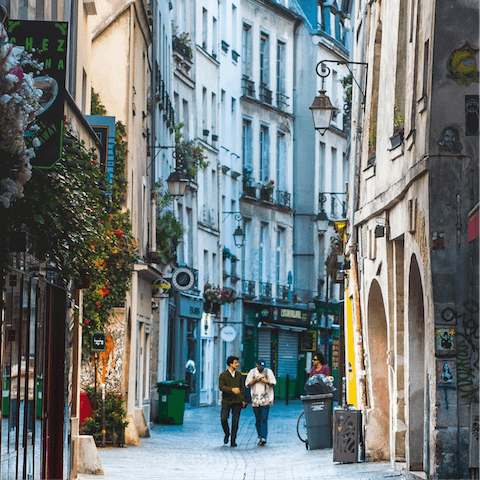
(308, 341)
(98, 342)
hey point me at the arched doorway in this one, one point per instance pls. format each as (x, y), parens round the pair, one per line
(416, 370)
(377, 436)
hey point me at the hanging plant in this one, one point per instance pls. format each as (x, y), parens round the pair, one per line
(189, 157)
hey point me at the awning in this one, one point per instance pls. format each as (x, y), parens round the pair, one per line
(283, 327)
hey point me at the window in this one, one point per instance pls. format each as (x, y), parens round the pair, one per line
(326, 20)
(234, 114)
(322, 166)
(264, 60)
(263, 249)
(279, 260)
(204, 109)
(281, 162)
(186, 121)
(247, 144)
(214, 114)
(281, 74)
(214, 38)
(246, 51)
(204, 28)
(264, 154)
(234, 28)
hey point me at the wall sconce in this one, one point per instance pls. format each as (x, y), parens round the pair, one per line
(381, 228)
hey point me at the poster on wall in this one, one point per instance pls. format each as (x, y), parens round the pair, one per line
(446, 372)
(445, 341)
(47, 44)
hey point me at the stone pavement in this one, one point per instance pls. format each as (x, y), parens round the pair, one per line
(195, 451)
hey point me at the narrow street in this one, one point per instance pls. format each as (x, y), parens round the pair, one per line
(195, 451)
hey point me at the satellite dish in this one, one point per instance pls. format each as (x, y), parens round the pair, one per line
(183, 279)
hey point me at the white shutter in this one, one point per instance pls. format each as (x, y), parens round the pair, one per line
(287, 353)
(264, 339)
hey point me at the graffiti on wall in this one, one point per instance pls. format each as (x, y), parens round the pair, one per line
(449, 140)
(462, 64)
(467, 351)
(446, 372)
(471, 115)
(445, 340)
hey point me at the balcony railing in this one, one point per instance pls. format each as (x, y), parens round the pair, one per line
(265, 290)
(335, 200)
(249, 188)
(182, 49)
(282, 293)
(248, 87)
(249, 289)
(283, 198)
(282, 101)
(265, 94)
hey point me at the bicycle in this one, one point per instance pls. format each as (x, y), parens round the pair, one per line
(302, 429)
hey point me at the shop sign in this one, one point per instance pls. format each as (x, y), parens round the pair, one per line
(191, 307)
(183, 279)
(228, 334)
(290, 316)
(473, 227)
(104, 127)
(47, 41)
(289, 313)
(308, 341)
(161, 289)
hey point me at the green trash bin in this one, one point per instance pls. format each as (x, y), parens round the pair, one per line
(171, 401)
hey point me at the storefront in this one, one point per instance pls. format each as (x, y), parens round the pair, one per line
(274, 333)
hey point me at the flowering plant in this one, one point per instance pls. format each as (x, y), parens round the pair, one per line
(189, 157)
(19, 104)
(270, 185)
(216, 294)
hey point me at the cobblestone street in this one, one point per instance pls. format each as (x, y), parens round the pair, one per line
(195, 451)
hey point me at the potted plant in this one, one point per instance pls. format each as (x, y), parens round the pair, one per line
(397, 138)
(267, 190)
(248, 182)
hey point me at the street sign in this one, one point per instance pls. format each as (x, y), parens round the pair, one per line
(98, 342)
(228, 334)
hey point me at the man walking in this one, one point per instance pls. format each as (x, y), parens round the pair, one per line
(230, 383)
(261, 381)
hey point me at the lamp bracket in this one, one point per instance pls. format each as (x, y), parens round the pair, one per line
(237, 215)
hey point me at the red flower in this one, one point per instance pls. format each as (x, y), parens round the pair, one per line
(86, 322)
(118, 233)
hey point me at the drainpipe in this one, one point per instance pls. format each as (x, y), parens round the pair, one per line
(357, 152)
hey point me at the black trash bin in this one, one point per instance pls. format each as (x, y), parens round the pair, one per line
(347, 431)
(318, 418)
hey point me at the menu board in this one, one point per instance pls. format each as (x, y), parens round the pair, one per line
(335, 353)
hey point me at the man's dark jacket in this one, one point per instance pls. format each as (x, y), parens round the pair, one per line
(226, 382)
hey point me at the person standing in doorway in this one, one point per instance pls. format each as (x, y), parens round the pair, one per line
(261, 381)
(319, 365)
(231, 385)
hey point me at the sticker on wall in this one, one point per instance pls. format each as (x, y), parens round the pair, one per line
(449, 140)
(446, 372)
(445, 340)
(462, 64)
(471, 115)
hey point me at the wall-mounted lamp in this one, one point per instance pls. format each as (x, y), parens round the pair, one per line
(381, 228)
(322, 108)
(238, 234)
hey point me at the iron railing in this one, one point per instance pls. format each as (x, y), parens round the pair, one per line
(265, 290)
(248, 87)
(282, 293)
(249, 288)
(283, 198)
(265, 94)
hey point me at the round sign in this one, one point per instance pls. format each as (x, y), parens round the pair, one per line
(183, 279)
(228, 334)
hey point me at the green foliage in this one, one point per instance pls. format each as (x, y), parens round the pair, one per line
(336, 249)
(398, 118)
(347, 86)
(372, 136)
(169, 230)
(96, 108)
(115, 415)
(189, 157)
(226, 253)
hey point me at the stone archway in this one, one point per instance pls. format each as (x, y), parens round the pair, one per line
(377, 431)
(416, 370)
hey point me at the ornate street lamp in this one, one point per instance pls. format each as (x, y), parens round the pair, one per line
(239, 237)
(177, 183)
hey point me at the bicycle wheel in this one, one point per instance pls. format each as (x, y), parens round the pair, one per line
(302, 427)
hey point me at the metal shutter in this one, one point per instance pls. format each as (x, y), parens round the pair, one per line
(287, 353)
(264, 338)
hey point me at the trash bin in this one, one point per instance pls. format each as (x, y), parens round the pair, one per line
(171, 402)
(347, 429)
(318, 418)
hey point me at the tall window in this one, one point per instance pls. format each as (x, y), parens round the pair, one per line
(280, 69)
(234, 28)
(263, 249)
(334, 181)
(204, 28)
(264, 154)
(322, 167)
(186, 121)
(214, 37)
(281, 162)
(214, 114)
(247, 51)
(279, 262)
(247, 250)
(247, 144)
(204, 109)
(264, 59)
(233, 113)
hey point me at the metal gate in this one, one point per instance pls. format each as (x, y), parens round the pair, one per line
(264, 345)
(32, 364)
(287, 354)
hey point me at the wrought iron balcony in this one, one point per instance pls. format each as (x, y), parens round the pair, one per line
(265, 290)
(282, 293)
(282, 101)
(249, 289)
(335, 201)
(283, 198)
(248, 87)
(181, 48)
(265, 94)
